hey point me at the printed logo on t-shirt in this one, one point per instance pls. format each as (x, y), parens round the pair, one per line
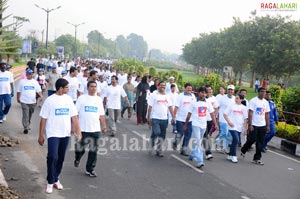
(92, 109)
(202, 111)
(62, 111)
(186, 103)
(238, 112)
(260, 111)
(26, 88)
(162, 101)
(3, 79)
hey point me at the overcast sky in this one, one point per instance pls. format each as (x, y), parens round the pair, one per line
(164, 24)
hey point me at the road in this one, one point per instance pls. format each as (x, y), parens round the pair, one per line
(131, 172)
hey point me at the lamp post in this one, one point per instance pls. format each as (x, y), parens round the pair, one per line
(47, 11)
(75, 26)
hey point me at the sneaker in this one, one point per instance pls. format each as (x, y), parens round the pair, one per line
(199, 165)
(209, 156)
(49, 188)
(4, 118)
(76, 163)
(159, 154)
(25, 131)
(243, 155)
(263, 150)
(229, 157)
(218, 148)
(91, 173)
(1, 121)
(258, 162)
(112, 135)
(58, 185)
(174, 146)
(184, 153)
(234, 159)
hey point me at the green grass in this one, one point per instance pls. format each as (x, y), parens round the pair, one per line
(18, 64)
(187, 75)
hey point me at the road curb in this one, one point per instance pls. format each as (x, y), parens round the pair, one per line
(285, 145)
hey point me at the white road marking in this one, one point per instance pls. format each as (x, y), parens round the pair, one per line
(141, 136)
(245, 197)
(284, 156)
(187, 164)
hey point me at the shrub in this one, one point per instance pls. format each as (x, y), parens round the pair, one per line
(288, 131)
(276, 92)
(291, 100)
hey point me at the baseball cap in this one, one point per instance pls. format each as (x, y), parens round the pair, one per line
(41, 70)
(29, 72)
(64, 72)
(171, 77)
(54, 67)
(230, 87)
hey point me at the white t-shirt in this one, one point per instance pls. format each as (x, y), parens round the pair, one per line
(59, 69)
(224, 102)
(73, 87)
(122, 79)
(28, 90)
(200, 110)
(5, 79)
(237, 114)
(159, 104)
(41, 79)
(113, 94)
(89, 110)
(213, 101)
(102, 86)
(259, 108)
(183, 103)
(219, 96)
(58, 110)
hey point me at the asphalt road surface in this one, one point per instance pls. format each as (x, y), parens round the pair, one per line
(126, 170)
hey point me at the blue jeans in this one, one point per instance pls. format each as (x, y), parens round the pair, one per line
(6, 99)
(235, 141)
(55, 158)
(187, 135)
(224, 135)
(197, 150)
(269, 135)
(159, 130)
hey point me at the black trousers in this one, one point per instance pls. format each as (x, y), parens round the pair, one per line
(257, 135)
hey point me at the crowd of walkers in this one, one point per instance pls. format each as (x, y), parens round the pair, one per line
(83, 94)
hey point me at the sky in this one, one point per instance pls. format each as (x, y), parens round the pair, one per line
(164, 24)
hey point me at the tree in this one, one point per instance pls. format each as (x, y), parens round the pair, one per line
(122, 45)
(67, 41)
(137, 47)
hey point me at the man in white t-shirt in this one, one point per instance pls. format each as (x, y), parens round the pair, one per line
(224, 135)
(168, 85)
(93, 76)
(182, 106)
(6, 91)
(26, 95)
(159, 103)
(90, 111)
(59, 119)
(198, 115)
(112, 100)
(73, 83)
(122, 78)
(259, 124)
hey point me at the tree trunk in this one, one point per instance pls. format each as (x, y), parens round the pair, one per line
(252, 79)
(240, 79)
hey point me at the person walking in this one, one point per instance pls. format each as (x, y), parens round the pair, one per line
(182, 107)
(198, 114)
(129, 90)
(159, 104)
(58, 120)
(259, 125)
(273, 115)
(141, 101)
(51, 78)
(6, 91)
(112, 100)
(73, 84)
(236, 117)
(90, 111)
(26, 95)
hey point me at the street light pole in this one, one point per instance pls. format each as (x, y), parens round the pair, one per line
(47, 11)
(75, 26)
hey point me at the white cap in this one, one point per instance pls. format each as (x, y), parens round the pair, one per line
(171, 77)
(230, 87)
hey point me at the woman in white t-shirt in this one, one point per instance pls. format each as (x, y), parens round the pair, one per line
(41, 79)
(236, 117)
